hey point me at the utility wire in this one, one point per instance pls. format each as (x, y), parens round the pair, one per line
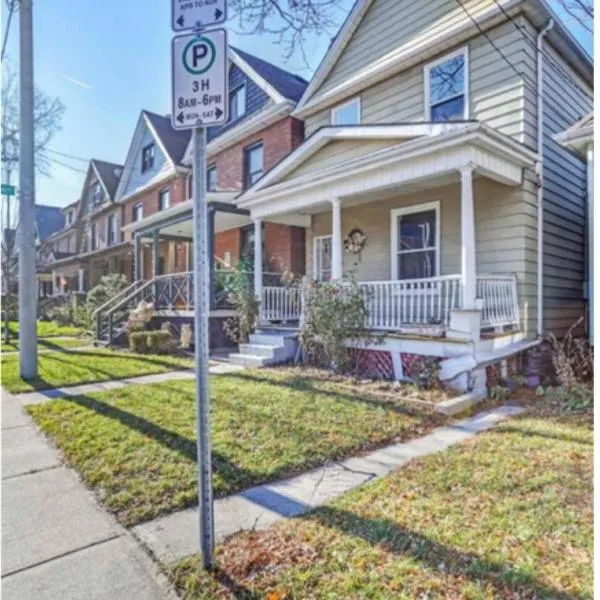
(550, 61)
(11, 10)
(494, 45)
(62, 164)
(85, 160)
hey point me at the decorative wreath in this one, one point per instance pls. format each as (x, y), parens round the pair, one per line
(355, 241)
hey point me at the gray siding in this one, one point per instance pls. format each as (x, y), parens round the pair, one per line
(564, 199)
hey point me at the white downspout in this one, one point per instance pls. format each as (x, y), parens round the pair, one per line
(540, 175)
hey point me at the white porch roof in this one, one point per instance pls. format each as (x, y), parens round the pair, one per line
(423, 151)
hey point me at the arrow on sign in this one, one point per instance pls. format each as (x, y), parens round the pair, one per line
(180, 117)
(180, 21)
(218, 14)
(218, 112)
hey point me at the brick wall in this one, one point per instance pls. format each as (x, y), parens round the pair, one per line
(284, 248)
(228, 241)
(149, 199)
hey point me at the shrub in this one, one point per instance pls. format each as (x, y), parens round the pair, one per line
(160, 342)
(245, 305)
(335, 313)
(62, 315)
(109, 286)
(138, 342)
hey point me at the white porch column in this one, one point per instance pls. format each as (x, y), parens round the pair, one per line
(258, 259)
(467, 222)
(337, 266)
(54, 283)
(590, 195)
(80, 282)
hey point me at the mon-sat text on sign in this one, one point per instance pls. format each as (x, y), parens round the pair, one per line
(199, 67)
(192, 14)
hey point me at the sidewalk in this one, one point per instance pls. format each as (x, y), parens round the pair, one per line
(57, 543)
(175, 536)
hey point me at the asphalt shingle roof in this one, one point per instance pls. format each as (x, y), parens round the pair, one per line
(48, 220)
(290, 86)
(110, 174)
(174, 141)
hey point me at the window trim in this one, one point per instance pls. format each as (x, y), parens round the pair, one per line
(462, 51)
(144, 148)
(134, 212)
(316, 239)
(212, 167)
(338, 107)
(241, 86)
(110, 242)
(408, 210)
(160, 195)
(259, 143)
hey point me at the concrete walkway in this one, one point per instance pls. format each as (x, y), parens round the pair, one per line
(215, 368)
(175, 536)
(57, 543)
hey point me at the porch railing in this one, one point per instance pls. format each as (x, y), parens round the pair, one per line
(500, 300)
(281, 303)
(393, 305)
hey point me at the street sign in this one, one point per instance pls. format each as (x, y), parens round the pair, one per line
(199, 79)
(8, 190)
(192, 14)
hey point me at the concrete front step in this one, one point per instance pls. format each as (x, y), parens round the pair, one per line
(250, 360)
(260, 350)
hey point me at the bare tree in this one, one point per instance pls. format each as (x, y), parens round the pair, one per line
(291, 21)
(48, 114)
(580, 11)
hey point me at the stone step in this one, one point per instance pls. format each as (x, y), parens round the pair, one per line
(260, 350)
(265, 339)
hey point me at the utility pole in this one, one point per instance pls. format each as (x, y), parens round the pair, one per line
(26, 233)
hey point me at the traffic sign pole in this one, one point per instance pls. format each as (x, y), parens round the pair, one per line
(202, 303)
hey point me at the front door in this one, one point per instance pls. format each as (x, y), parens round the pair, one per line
(322, 258)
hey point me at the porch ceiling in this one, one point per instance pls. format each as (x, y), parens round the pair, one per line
(429, 161)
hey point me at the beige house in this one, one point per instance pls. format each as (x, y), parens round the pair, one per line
(430, 172)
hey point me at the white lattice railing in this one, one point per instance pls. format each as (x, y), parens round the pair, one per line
(393, 305)
(500, 300)
(281, 303)
(175, 290)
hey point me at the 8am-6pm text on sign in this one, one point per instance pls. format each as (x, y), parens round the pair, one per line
(199, 73)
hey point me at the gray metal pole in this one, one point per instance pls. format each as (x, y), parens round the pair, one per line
(201, 304)
(27, 295)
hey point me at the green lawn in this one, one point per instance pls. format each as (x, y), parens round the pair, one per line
(47, 329)
(57, 369)
(508, 514)
(136, 446)
(51, 343)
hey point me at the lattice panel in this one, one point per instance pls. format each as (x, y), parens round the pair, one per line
(372, 364)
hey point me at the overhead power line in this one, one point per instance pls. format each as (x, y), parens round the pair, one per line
(66, 166)
(72, 156)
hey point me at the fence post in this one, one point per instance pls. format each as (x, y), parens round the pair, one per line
(110, 328)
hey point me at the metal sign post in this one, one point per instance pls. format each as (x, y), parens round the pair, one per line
(202, 303)
(200, 98)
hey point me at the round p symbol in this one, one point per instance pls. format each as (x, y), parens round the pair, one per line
(199, 55)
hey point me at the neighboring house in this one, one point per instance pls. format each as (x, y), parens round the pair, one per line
(580, 138)
(56, 238)
(259, 134)
(422, 140)
(90, 243)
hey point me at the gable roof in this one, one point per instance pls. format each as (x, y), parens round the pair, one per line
(288, 85)
(390, 63)
(109, 174)
(48, 220)
(173, 141)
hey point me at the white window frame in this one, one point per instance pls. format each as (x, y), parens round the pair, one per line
(242, 87)
(464, 51)
(139, 205)
(335, 109)
(316, 266)
(110, 242)
(407, 210)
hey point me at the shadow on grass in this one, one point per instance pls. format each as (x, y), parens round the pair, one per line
(527, 431)
(505, 579)
(305, 384)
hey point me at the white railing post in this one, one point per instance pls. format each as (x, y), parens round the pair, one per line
(258, 263)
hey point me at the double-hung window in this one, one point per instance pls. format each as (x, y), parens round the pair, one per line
(211, 179)
(148, 153)
(322, 257)
(253, 164)
(138, 212)
(237, 102)
(164, 199)
(347, 113)
(415, 239)
(111, 227)
(447, 88)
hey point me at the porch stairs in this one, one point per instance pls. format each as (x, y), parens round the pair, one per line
(267, 347)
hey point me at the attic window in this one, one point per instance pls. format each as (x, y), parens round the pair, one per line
(347, 113)
(446, 88)
(237, 102)
(97, 193)
(148, 153)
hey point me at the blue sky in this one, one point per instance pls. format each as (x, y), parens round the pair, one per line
(107, 61)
